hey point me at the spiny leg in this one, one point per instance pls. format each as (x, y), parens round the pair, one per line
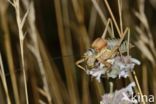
(127, 30)
(128, 42)
(106, 29)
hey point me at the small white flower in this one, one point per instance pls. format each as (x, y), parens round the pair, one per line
(122, 65)
(123, 74)
(122, 96)
(97, 72)
(135, 61)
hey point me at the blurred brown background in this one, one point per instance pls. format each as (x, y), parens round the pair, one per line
(58, 32)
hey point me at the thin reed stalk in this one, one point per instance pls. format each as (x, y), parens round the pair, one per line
(34, 86)
(66, 21)
(84, 43)
(99, 89)
(4, 82)
(66, 50)
(146, 41)
(20, 23)
(92, 22)
(8, 50)
(58, 90)
(35, 48)
(145, 79)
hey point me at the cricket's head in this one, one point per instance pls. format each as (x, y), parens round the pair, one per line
(99, 44)
(90, 52)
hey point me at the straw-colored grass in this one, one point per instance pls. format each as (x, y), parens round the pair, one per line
(41, 40)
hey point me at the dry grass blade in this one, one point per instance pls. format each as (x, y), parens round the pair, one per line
(58, 90)
(65, 42)
(20, 22)
(134, 74)
(99, 89)
(8, 50)
(33, 34)
(4, 82)
(34, 47)
(144, 24)
(41, 102)
(145, 79)
(34, 85)
(147, 48)
(143, 48)
(83, 41)
(81, 29)
(92, 22)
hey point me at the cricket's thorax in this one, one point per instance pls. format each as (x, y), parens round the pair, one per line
(103, 55)
(91, 62)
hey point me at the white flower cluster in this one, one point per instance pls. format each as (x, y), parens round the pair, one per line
(122, 96)
(99, 64)
(120, 67)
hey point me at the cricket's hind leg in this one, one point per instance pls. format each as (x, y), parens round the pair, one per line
(109, 22)
(117, 46)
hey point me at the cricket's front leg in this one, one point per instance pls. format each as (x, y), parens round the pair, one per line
(79, 62)
(107, 64)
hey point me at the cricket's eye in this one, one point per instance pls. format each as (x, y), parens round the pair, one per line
(99, 43)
